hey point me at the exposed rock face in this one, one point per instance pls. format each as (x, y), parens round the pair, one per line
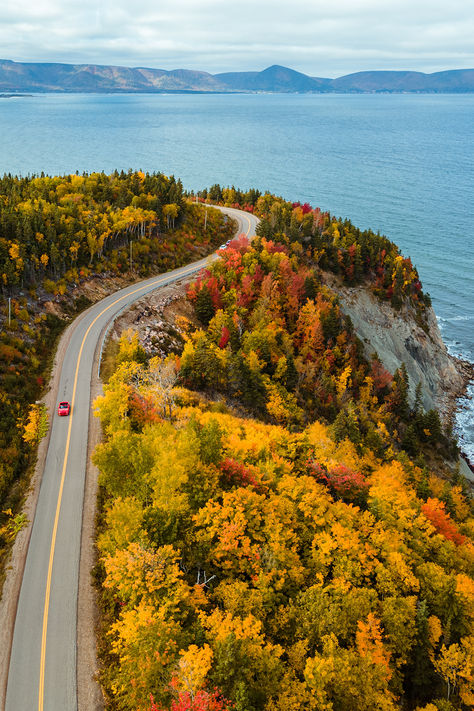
(397, 338)
(154, 319)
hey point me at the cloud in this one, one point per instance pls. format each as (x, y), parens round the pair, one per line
(319, 38)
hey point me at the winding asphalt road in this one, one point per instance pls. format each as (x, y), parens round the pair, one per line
(42, 671)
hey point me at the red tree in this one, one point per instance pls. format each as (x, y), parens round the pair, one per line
(202, 701)
(434, 511)
(343, 481)
(235, 472)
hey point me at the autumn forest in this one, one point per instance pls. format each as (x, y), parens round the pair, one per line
(281, 525)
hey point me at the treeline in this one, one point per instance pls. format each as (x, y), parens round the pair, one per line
(53, 225)
(306, 564)
(335, 245)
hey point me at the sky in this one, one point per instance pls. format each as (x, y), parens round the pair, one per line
(318, 37)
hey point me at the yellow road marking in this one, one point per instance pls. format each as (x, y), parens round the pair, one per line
(63, 475)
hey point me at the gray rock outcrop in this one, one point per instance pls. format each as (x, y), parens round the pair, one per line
(397, 338)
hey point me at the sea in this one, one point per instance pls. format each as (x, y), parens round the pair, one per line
(401, 164)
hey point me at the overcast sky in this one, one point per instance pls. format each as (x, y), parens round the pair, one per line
(319, 37)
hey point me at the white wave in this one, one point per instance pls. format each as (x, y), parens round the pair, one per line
(464, 423)
(451, 319)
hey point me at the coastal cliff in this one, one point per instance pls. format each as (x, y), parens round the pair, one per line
(397, 337)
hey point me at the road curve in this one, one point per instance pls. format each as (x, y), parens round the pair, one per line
(42, 670)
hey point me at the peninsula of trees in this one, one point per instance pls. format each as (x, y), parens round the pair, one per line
(279, 527)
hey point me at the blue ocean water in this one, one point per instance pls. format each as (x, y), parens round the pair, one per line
(401, 164)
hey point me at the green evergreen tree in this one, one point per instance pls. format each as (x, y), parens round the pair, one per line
(420, 677)
(399, 398)
(204, 307)
(346, 425)
(410, 442)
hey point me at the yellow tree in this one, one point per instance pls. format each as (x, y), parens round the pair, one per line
(171, 212)
(137, 573)
(193, 666)
(36, 426)
(455, 665)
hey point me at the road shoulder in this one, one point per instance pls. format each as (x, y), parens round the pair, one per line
(89, 695)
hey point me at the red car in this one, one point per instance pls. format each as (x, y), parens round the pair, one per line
(64, 408)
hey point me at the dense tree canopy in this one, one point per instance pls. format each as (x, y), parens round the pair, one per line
(334, 244)
(300, 560)
(49, 225)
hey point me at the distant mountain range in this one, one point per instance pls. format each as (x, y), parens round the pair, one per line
(42, 77)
